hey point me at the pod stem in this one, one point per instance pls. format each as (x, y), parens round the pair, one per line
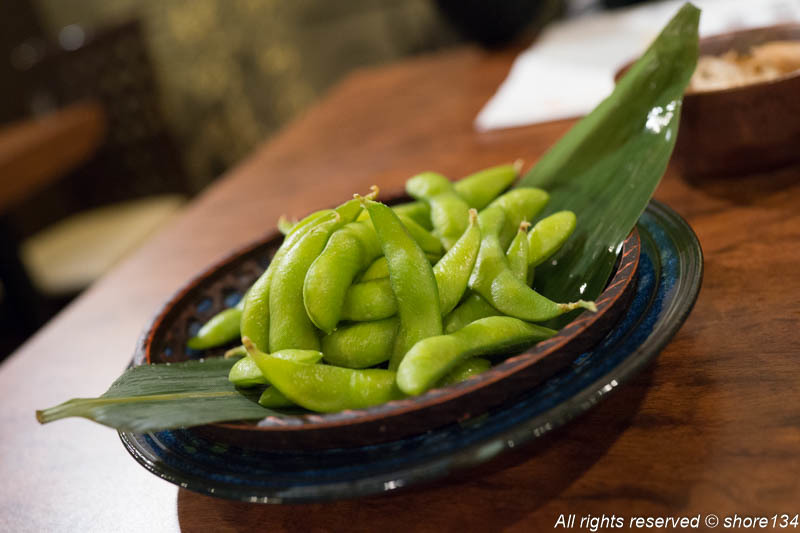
(580, 304)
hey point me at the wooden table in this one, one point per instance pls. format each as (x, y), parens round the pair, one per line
(712, 427)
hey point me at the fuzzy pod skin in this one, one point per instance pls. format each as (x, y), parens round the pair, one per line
(369, 300)
(431, 359)
(326, 388)
(380, 268)
(474, 307)
(480, 188)
(361, 344)
(465, 370)
(412, 281)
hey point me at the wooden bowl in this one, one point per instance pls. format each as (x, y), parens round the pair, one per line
(165, 341)
(740, 130)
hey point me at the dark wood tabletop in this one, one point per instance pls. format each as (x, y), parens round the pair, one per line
(713, 426)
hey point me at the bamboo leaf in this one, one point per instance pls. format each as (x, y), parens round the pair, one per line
(156, 397)
(606, 168)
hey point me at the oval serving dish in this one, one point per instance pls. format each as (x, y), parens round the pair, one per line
(164, 340)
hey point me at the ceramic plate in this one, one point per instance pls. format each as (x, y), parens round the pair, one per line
(669, 277)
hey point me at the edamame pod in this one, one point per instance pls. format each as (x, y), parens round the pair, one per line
(348, 251)
(452, 272)
(517, 253)
(290, 326)
(326, 388)
(430, 359)
(480, 188)
(314, 217)
(380, 269)
(245, 373)
(419, 212)
(548, 235)
(272, 398)
(369, 300)
(411, 279)
(449, 212)
(465, 370)
(522, 203)
(255, 304)
(374, 299)
(492, 278)
(220, 329)
(474, 306)
(360, 344)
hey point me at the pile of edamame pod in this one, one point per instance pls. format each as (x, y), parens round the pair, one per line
(366, 303)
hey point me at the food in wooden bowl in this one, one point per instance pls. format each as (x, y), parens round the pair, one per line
(741, 113)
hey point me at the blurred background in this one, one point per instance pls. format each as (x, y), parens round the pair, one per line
(114, 113)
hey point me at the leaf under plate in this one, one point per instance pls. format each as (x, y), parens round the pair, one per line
(606, 168)
(155, 397)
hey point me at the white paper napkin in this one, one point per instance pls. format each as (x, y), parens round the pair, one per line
(570, 68)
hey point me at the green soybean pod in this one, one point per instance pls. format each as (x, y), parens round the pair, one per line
(348, 251)
(429, 243)
(220, 329)
(452, 272)
(245, 373)
(465, 370)
(309, 219)
(411, 279)
(480, 188)
(380, 268)
(522, 203)
(548, 235)
(431, 359)
(272, 398)
(449, 212)
(326, 388)
(517, 253)
(493, 279)
(255, 305)
(361, 344)
(419, 212)
(369, 300)
(474, 307)
(290, 326)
